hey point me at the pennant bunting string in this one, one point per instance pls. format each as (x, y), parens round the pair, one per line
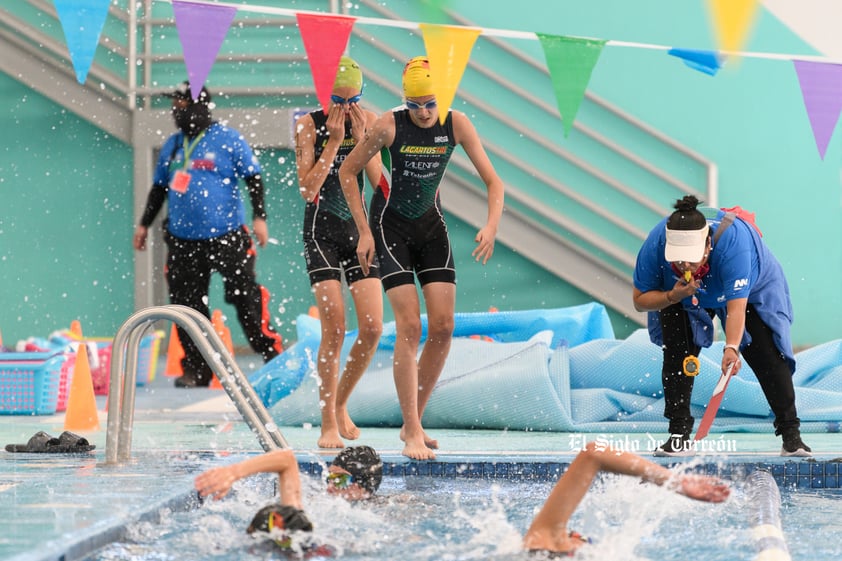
(492, 32)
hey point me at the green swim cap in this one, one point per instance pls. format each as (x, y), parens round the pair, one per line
(348, 75)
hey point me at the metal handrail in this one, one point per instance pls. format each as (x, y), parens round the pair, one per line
(121, 397)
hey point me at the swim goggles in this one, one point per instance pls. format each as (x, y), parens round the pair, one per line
(343, 100)
(340, 480)
(276, 522)
(415, 106)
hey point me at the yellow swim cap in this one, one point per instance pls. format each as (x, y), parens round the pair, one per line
(349, 74)
(417, 81)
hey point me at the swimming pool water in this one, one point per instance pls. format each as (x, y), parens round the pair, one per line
(423, 518)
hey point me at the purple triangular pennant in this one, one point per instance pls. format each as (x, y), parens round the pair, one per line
(82, 22)
(821, 87)
(201, 30)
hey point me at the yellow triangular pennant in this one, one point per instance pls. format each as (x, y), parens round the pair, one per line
(732, 21)
(448, 48)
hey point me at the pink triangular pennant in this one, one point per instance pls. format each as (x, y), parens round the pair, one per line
(821, 87)
(82, 22)
(325, 38)
(201, 30)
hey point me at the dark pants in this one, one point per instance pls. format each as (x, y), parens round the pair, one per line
(190, 264)
(767, 362)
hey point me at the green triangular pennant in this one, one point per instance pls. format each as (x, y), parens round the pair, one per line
(570, 61)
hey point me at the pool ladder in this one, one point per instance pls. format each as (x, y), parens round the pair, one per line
(124, 353)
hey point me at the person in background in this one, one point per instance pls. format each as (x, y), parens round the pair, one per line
(548, 531)
(322, 142)
(691, 268)
(354, 474)
(407, 234)
(198, 175)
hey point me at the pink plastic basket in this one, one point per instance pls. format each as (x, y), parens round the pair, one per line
(147, 355)
(65, 381)
(29, 383)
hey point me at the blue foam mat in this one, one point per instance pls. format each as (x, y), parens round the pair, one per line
(548, 370)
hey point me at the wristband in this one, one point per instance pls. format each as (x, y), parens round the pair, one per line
(734, 348)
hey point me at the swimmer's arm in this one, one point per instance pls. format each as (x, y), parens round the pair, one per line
(217, 482)
(373, 168)
(466, 135)
(311, 172)
(549, 527)
(381, 134)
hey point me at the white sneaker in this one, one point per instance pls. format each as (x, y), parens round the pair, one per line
(794, 447)
(676, 446)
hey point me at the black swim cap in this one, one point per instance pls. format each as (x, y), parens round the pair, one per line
(364, 465)
(284, 518)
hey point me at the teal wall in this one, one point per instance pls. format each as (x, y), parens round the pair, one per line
(66, 218)
(749, 119)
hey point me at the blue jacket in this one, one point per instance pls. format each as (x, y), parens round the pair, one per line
(741, 266)
(212, 204)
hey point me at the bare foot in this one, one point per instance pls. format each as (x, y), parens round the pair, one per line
(330, 439)
(347, 428)
(428, 442)
(418, 450)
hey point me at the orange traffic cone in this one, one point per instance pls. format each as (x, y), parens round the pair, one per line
(81, 414)
(313, 312)
(76, 329)
(174, 355)
(224, 333)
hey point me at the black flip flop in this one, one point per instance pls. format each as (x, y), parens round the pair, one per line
(70, 443)
(43, 443)
(40, 442)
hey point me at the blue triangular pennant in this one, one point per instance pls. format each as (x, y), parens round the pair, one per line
(82, 22)
(708, 62)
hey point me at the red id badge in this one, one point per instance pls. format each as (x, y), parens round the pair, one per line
(180, 181)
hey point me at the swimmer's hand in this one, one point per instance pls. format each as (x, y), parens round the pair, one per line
(216, 482)
(365, 251)
(485, 244)
(701, 487)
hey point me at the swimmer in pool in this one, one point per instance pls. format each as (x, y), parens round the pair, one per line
(354, 474)
(548, 531)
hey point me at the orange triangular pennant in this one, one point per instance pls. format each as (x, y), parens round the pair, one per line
(732, 22)
(325, 39)
(448, 48)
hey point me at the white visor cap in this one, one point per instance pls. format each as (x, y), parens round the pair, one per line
(686, 245)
